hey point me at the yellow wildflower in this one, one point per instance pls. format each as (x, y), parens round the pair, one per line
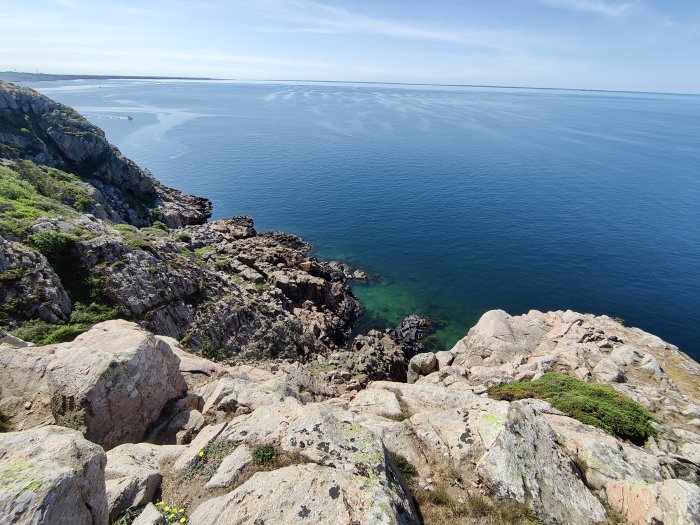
(166, 509)
(159, 504)
(181, 511)
(201, 453)
(182, 520)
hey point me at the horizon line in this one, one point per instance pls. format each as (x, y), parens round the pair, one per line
(369, 82)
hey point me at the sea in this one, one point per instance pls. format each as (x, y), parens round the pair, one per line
(456, 200)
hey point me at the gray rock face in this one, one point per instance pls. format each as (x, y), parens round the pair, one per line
(132, 476)
(526, 464)
(31, 286)
(301, 494)
(149, 516)
(344, 474)
(591, 348)
(39, 129)
(25, 396)
(636, 481)
(218, 287)
(51, 475)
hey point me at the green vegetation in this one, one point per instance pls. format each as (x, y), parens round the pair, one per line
(82, 319)
(204, 251)
(407, 470)
(593, 404)
(172, 513)
(128, 517)
(4, 422)
(135, 238)
(208, 352)
(619, 320)
(183, 237)
(209, 459)
(262, 287)
(264, 455)
(28, 192)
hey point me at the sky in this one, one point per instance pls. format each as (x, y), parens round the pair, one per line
(642, 45)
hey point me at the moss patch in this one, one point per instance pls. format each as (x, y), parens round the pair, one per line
(593, 404)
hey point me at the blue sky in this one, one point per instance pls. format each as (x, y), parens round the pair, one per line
(649, 45)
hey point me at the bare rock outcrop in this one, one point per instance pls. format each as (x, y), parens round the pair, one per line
(301, 494)
(111, 382)
(51, 475)
(133, 475)
(637, 481)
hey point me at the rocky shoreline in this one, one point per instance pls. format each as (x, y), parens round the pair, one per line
(230, 389)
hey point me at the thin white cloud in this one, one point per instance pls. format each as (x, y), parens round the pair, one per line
(601, 7)
(311, 16)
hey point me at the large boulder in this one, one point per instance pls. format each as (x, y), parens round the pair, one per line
(25, 397)
(113, 382)
(51, 475)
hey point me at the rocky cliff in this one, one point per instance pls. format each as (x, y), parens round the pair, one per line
(230, 390)
(86, 235)
(34, 127)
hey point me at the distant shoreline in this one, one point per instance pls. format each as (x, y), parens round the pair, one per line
(12, 76)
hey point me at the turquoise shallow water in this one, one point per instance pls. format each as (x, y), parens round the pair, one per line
(460, 200)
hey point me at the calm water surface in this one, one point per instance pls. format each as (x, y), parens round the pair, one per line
(461, 200)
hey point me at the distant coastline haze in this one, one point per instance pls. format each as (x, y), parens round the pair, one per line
(621, 45)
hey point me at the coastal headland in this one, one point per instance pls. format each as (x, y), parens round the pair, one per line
(158, 367)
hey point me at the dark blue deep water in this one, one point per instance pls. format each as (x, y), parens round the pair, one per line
(461, 200)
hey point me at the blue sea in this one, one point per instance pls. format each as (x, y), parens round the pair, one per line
(457, 200)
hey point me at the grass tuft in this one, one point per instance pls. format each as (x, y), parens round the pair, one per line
(405, 467)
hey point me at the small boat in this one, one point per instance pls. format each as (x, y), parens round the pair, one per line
(130, 117)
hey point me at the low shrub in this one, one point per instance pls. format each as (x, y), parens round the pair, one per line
(264, 455)
(593, 404)
(128, 517)
(82, 319)
(4, 422)
(183, 237)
